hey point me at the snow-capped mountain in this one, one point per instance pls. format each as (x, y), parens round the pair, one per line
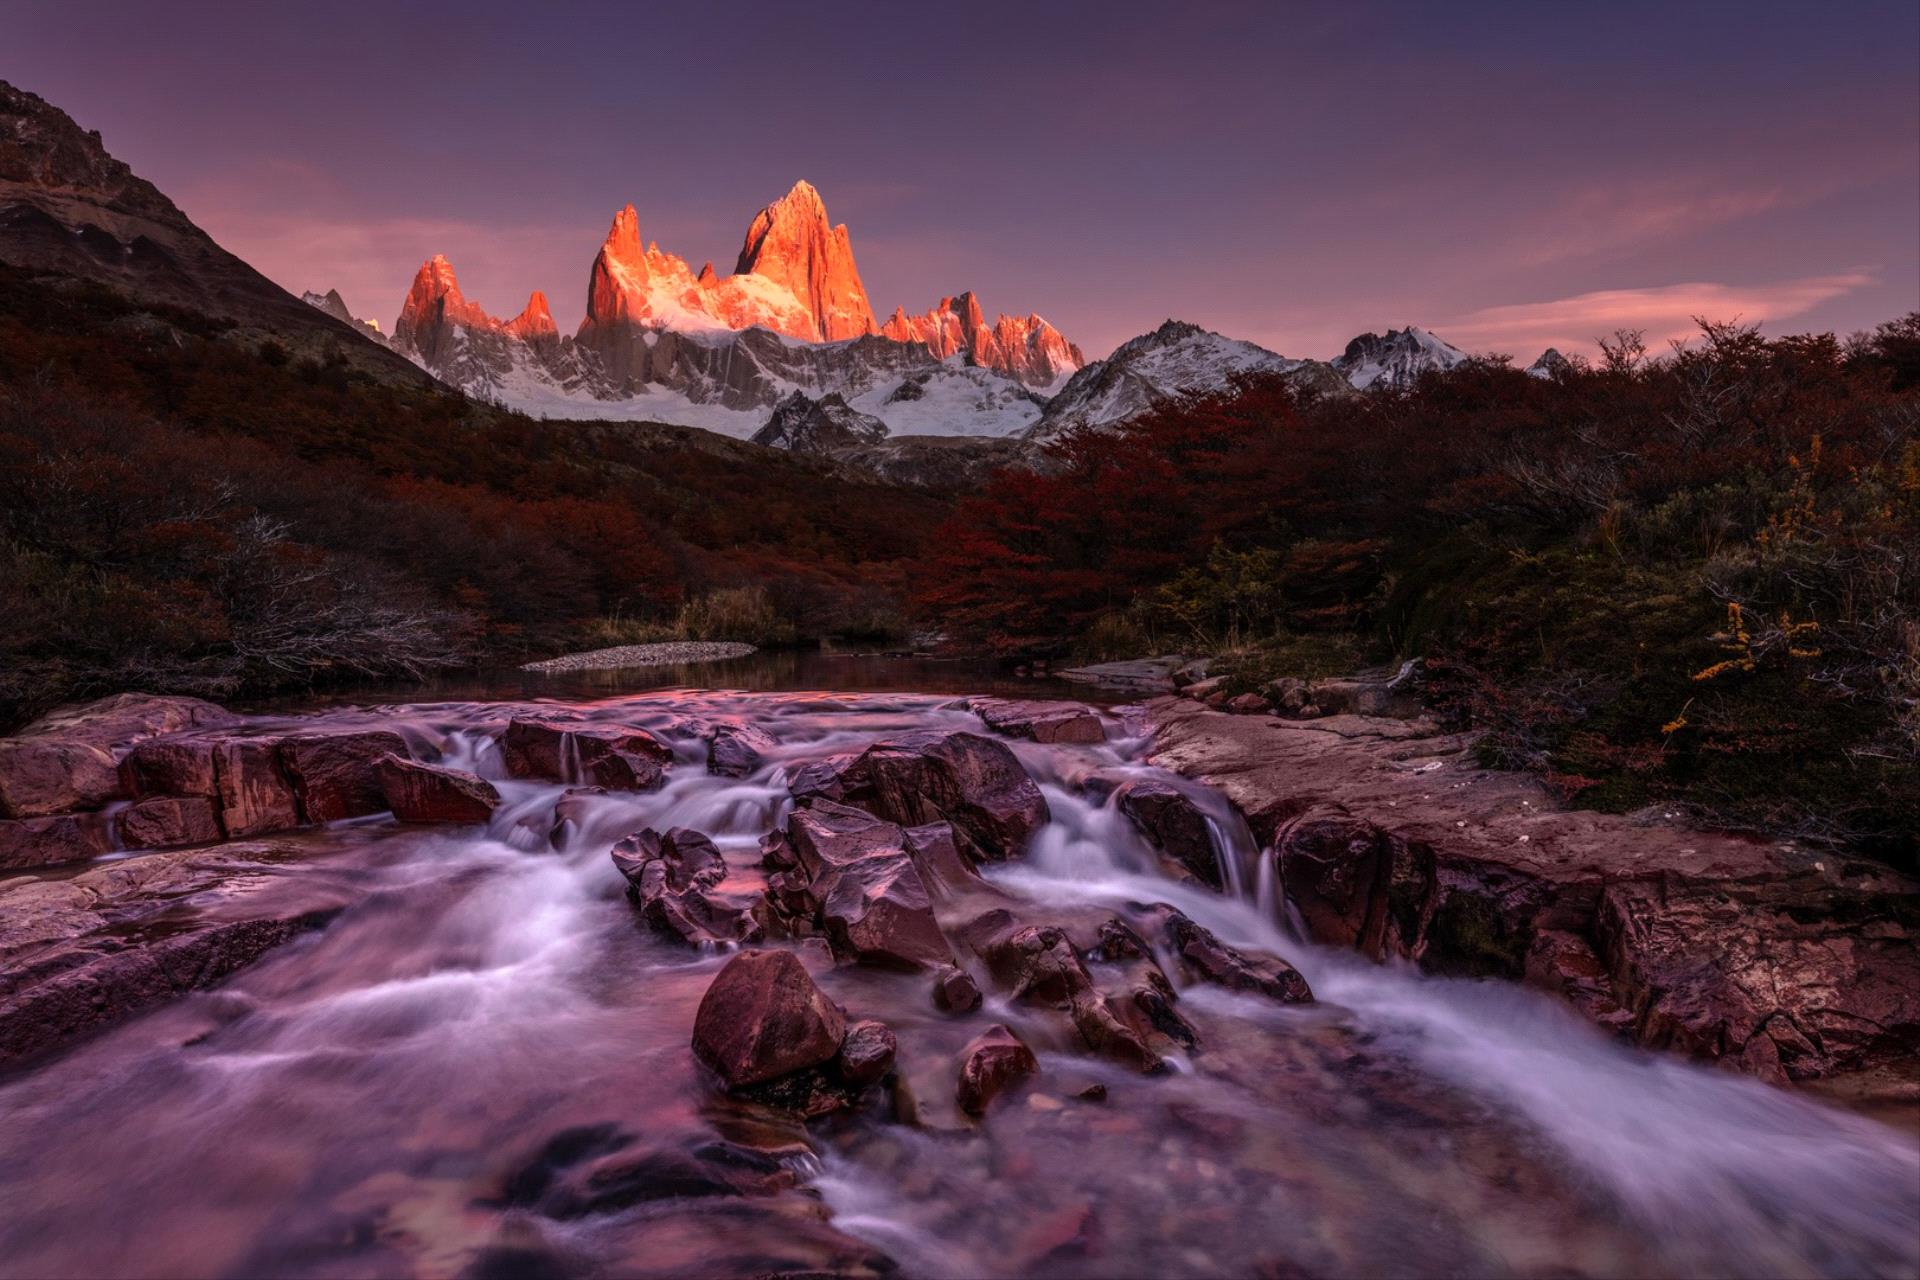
(336, 306)
(1395, 359)
(806, 425)
(1175, 361)
(661, 341)
(1551, 364)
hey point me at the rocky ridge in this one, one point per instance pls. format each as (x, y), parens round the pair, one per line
(71, 211)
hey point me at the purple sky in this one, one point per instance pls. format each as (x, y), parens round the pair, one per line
(1507, 175)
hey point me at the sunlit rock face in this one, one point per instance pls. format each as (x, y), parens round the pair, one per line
(790, 244)
(1027, 349)
(458, 342)
(663, 341)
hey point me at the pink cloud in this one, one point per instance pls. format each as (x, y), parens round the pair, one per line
(1664, 312)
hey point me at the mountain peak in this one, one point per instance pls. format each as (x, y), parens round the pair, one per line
(1027, 349)
(791, 244)
(1397, 358)
(535, 320)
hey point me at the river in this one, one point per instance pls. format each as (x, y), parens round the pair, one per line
(365, 1101)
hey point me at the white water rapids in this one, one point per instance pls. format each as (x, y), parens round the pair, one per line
(351, 1104)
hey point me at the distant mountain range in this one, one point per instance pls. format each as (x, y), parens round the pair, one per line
(785, 349)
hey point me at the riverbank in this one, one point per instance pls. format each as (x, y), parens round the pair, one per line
(621, 657)
(1785, 961)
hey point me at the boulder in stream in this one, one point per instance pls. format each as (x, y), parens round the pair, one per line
(736, 750)
(431, 793)
(1046, 722)
(971, 781)
(993, 1062)
(763, 1017)
(336, 775)
(584, 751)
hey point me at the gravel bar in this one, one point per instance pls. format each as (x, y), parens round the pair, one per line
(643, 655)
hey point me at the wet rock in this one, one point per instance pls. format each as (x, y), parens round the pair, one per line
(602, 1169)
(936, 852)
(867, 1053)
(971, 781)
(1208, 959)
(954, 990)
(833, 778)
(1048, 722)
(1337, 871)
(1390, 838)
(1039, 965)
(826, 836)
(877, 911)
(673, 879)
(81, 952)
(256, 796)
(1035, 963)
(336, 775)
(430, 793)
(173, 766)
(762, 1017)
(1792, 980)
(127, 718)
(42, 776)
(1247, 704)
(167, 822)
(688, 858)
(571, 812)
(1172, 823)
(581, 751)
(737, 750)
(61, 837)
(993, 1062)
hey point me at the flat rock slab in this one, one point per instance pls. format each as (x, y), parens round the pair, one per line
(1788, 962)
(1138, 675)
(82, 952)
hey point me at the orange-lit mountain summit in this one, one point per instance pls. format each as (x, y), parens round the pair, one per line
(661, 339)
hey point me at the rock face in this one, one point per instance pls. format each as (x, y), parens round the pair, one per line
(1028, 349)
(46, 775)
(1396, 359)
(167, 822)
(336, 306)
(428, 793)
(859, 879)
(791, 245)
(1388, 838)
(660, 341)
(70, 210)
(763, 1018)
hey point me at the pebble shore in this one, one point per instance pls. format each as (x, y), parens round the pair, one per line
(643, 655)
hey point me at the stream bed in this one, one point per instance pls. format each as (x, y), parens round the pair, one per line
(376, 1098)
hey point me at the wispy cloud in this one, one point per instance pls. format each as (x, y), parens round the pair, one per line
(1664, 312)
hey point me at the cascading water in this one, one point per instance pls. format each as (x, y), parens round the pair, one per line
(371, 1099)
